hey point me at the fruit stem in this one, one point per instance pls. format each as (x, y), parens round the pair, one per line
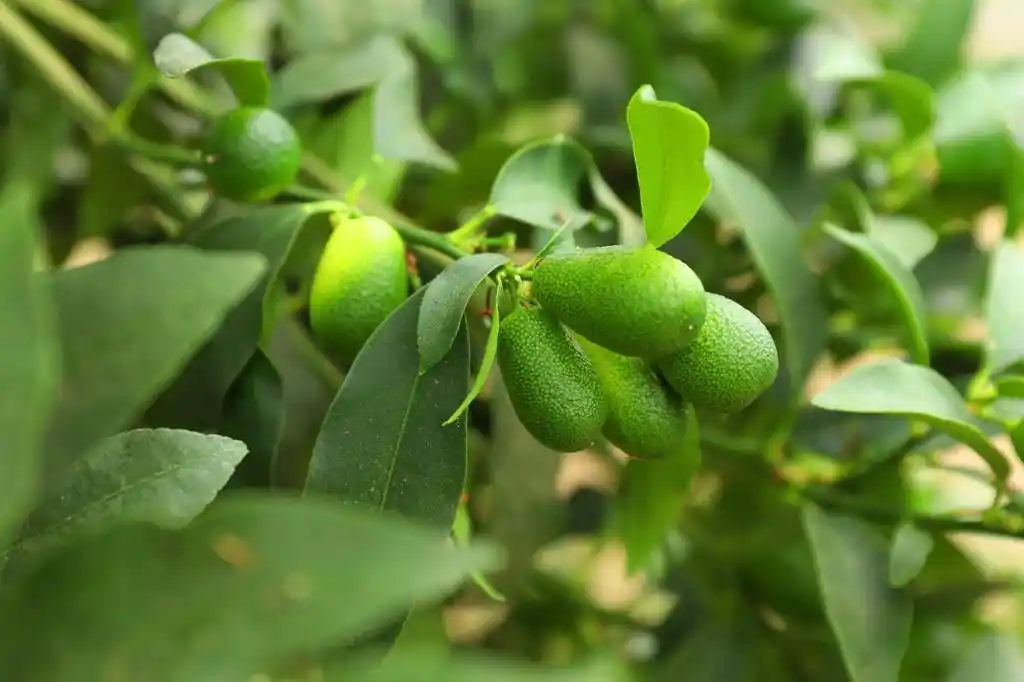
(469, 230)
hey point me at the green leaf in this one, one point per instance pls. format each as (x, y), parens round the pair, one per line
(737, 651)
(932, 48)
(1010, 386)
(127, 325)
(160, 476)
(29, 363)
(383, 444)
(891, 386)
(486, 361)
(993, 657)
(462, 533)
(195, 401)
(907, 238)
(1003, 311)
(870, 620)
(249, 586)
(254, 413)
(177, 55)
(669, 143)
(899, 280)
(445, 301)
(398, 129)
(908, 553)
(651, 498)
(741, 200)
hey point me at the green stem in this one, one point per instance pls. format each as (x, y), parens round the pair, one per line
(472, 227)
(169, 154)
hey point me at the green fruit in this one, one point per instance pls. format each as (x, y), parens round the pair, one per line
(732, 362)
(251, 154)
(360, 280)
(646, 419)
(551, 383)
(634, 301)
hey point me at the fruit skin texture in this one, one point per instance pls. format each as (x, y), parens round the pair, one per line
(360, 280)
(732, 362)
(252, 154)
(638, 302)
(646, 419)
(551, 383)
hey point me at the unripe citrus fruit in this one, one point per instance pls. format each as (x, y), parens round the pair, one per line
(360, 280)
(634, 301)
(550, 381)
(732, 362)
(251, 154)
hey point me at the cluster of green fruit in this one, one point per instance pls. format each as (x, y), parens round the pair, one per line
(624, 341)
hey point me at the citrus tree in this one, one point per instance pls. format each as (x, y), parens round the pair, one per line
(307, 309)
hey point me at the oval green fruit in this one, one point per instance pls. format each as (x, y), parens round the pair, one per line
(360, 280)
(251, 154)
(732, 362)
(646, 419)
(551, 383)
(635, 301)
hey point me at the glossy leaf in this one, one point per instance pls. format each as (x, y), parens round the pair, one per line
(899, 280)
(445, 301)
(160, 476)
(651, 498)
(993, 657)
(177, 55)
(738, 198)
(891, 386)
(870, 620)
(29, 363)
(244, 589)
(123, 343)
(254, 413)
(908, 554)
(383, 444)
(932, 49)
(669, 143)
(1003, 310)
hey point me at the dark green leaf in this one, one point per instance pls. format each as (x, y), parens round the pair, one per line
(254, 413)
(445, 301)
(158, 476)
(29, 369)
(383, 444)
(1003, 311)
(870, 619)
(127, 325)
(899, 280)
(177, 55)
(652, 494)
(248, 586)
(993, 657)
(891, 386)
(933, 47)
(717, 652)
(669, 143)
(1010, 386)
(908, 554)
(740, 199)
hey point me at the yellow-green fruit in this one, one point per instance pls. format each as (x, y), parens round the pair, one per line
(551, 383)
(634, 301)
(646, 419)
(732, 362)
(360, 280)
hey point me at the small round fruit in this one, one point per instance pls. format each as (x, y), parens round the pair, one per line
(646, 419)
(635, 301)
(732, 362)
(360, 280)
(251, 154)
(551, 383)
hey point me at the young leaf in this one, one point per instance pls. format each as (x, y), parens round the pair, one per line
(127, 325)
(740, 199)
(383, 444)
(1003, 312)
(445, 301)
(29, 369)
(891, 386)
(177, 55)
(462, 532)
(158, 476)
(247, 587)
(669, 143)
(907, 238)
(870, 619)
(486, 362)
(652, 494)
(908, 553)
(254, 413)
(1010, 386)
(899, 280)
